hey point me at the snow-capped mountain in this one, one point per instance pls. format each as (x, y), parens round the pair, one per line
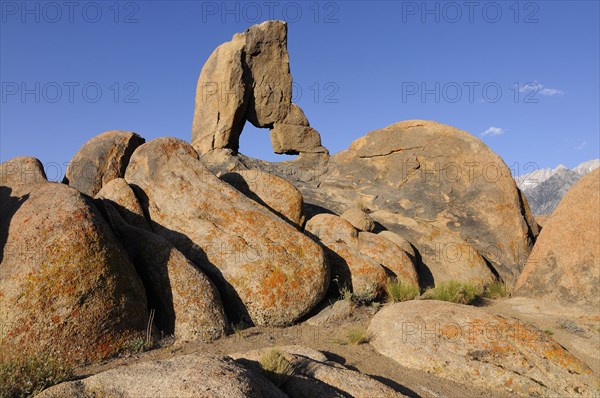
(544, 188)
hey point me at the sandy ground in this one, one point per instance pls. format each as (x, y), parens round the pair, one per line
(332, 341)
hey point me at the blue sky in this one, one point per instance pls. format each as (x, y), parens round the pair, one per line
(524, 77)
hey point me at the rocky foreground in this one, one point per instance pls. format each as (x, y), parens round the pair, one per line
(197, 244)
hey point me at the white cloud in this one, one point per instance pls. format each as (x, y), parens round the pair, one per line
(493, 131)
(538, 88)
(581, 145)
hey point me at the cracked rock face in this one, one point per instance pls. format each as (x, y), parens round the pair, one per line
(249, 79)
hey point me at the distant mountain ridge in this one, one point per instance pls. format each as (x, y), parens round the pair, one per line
(544, 188)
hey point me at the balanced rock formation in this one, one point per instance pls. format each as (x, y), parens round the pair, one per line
(248, 79)
(187, 376)
(67, 287)
(564, 265)
(265, 269)
(100, 160)
(470, 346)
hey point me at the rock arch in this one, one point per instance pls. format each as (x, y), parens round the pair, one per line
(249, 79)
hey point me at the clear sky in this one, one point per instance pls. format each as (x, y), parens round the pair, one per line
(524, 77)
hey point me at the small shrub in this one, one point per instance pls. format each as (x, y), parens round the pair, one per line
(29, 376)
(276, 367)
(138, 345)
(364, 299)
(238, 328)
(358, 336)
(548, 332)
(454, 292)
(346, 294)
(398, 290)
(496, 290)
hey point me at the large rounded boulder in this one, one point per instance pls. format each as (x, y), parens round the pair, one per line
(564, 265)
(67, 287)
(418, 177)
(471, 346)
(100, 160)
(265, 269)
(186, 376)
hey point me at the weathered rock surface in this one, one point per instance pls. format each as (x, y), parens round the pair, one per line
(187, 304)
(469, 345)
(263, 267)
(275, 193)
(359, 219)
(22, 170)
(66, 284)
(443, 255)
(565, 262)
(100, 160)
(268, 63)
(249, 78)
(349, 267)
(193, 375)
(391, 257)
(292, 139)
(314, 374)
(119, 192)
(221, 98)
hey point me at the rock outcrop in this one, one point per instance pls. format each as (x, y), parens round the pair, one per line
(264, 268)
(67, 286)
(565, 262)
(471, 346)
(248, 79)
(100, 160)
(192, 375)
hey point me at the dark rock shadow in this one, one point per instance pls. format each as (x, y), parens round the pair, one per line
(8, 207)
(388, 382)
(395, 386)
(426, 278)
